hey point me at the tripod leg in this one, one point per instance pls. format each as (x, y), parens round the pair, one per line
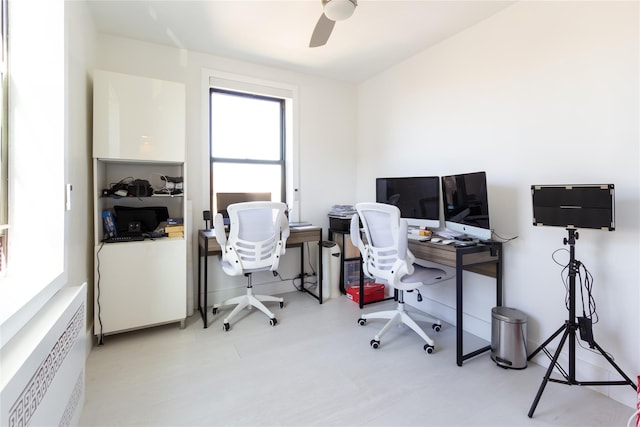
(610, 360)
(544, 344)
(549, 371)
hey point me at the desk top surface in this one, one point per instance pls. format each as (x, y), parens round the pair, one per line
(210, 234)
(482, 253)
(299, 235)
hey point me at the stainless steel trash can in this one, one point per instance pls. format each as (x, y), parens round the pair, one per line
(509, 337)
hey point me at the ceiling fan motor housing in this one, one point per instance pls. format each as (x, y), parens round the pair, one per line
(339, 10)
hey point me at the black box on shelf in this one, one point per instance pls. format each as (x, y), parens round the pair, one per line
(339, 224)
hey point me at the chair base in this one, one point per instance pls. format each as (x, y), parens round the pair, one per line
(397, 317)
(247, 301)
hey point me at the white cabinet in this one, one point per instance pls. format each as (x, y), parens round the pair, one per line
(141, 284)
(139, 133)
(137, 118)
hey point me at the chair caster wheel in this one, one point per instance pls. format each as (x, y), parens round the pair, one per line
(225, 327)
(428, 348)
(436, 327)
(214, 311)
(273, 321)
(362, 322)
(281, 304)
(375, 344)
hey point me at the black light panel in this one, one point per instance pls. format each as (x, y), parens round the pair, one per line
(574, 206)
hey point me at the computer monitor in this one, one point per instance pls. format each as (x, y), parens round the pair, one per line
(466, 206)
(223, 200)
(418, 198)
(148, 218)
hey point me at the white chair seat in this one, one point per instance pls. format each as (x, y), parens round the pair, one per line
(421, 275)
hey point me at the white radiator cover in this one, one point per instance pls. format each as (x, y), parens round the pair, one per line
(43, 366)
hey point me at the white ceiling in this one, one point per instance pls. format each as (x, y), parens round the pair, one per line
(380, 33)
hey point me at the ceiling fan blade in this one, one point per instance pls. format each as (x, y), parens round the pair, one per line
(322, 31)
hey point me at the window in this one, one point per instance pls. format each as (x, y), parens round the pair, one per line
(241, 159)
(247, 145)
(35, 189)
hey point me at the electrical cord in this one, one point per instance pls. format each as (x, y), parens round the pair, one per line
(100, 336)
(123, 182)
(313, 271)
(503, 239)
(586, 285)
(584, 282)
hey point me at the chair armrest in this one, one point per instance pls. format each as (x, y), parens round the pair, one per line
(356, 239)
(403, 239)
(218, 229)
(285, 232)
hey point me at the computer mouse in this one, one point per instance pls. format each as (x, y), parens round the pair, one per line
(448, 241)
(436, 239)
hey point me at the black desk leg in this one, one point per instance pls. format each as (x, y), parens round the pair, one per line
(206, 282)
(459, 327)
(199, 279)
(320, 271)
(499, 279)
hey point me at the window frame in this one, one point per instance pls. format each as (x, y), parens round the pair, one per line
(281, 161)
(249, 84)
(34, 39)
(4, 137)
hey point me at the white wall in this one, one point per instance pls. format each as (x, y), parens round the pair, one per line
(80, 40)
(541, 93)
(327, 133)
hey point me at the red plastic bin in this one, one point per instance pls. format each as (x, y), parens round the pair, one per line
(372, 292)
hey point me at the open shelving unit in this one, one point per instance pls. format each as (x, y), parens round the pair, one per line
(139, 128)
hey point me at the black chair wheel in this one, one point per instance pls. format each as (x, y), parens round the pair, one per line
(281, 304)
(375, 344)
(214, 311)
(428, 348)
(436, 327)
(273, 321)
(362, 322)
(225, 327)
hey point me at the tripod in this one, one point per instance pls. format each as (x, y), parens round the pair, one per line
(569, 329)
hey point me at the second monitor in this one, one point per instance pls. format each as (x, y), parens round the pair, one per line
(418, 198)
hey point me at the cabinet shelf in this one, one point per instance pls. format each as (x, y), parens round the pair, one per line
(154, 196)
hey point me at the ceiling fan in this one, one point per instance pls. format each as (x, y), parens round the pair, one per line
(333, 10)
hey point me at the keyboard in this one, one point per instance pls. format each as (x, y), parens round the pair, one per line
(119, 239)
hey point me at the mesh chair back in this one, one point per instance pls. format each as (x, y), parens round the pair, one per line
(258, 233)
(385, 255)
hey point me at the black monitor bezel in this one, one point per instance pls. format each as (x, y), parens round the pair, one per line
(429, 220)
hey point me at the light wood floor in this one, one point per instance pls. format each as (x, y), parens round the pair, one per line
(315, 367)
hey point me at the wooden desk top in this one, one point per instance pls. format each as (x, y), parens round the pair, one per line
(479, 258)
(298, 236)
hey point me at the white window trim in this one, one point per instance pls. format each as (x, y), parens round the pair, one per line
(37, 106)
(253, 85)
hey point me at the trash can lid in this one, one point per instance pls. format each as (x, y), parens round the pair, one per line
(328, 244)
(507, 314)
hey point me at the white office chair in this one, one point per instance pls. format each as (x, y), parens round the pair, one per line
(387, 259)
(258, 235)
